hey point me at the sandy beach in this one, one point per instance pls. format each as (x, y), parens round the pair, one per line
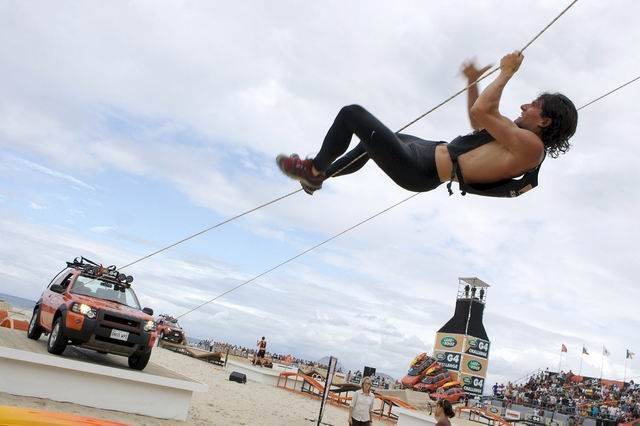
(225, 403)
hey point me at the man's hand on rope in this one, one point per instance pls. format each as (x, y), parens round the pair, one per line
(510, 63)
(471, 72)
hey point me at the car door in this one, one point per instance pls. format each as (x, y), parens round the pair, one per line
(51, 300)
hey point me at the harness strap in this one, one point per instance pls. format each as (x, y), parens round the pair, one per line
(456, 173)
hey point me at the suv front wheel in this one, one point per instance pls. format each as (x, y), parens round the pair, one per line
(35, 330)
(57, 342)
(139, 360)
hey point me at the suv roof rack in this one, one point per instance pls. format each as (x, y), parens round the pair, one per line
(169, 318)
(108, 274)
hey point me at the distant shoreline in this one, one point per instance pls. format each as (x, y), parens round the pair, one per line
(17, 302)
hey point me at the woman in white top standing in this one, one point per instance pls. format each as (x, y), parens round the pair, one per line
(361, 410)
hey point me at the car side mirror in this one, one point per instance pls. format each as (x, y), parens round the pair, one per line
(57, 288)
(148, 311)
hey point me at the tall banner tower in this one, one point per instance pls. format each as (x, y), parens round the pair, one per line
(462, 344)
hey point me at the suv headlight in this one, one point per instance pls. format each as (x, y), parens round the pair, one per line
(86, 310)
(149, 326)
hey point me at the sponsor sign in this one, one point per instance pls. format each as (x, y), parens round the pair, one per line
(450, 360)
(449, 342)
(472, 384)
(512, 414)
(477, 347)
(474, 366)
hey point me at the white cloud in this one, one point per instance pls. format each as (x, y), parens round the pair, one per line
(36, 206)
(199, 100)
(102, 229)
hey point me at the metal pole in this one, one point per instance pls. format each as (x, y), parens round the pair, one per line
(581, 357)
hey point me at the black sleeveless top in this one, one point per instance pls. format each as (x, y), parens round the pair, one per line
(504, 188)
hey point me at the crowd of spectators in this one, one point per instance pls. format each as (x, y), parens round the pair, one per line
(575, 396)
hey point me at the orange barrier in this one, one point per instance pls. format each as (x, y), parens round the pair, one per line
(19, 416)
(313, 383)
(484, 413)
(16, 324)
(3, 315)
(391, 402)
(336, 398)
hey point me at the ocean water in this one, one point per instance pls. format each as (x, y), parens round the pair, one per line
(17, 302)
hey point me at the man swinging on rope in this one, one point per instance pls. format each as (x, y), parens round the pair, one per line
(496, 152)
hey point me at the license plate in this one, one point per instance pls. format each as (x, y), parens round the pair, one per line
(119, 335)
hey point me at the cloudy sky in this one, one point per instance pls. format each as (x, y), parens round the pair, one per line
(126, 126)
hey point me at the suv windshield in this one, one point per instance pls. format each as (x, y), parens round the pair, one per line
(103, 290)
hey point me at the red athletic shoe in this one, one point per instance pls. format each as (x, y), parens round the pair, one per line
(299, 169)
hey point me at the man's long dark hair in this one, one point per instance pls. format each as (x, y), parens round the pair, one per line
(564, 120)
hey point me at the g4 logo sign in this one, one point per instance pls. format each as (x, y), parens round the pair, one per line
(474, 365)
(473, 381)
(453, 358)
(479, 344)
(448, 342)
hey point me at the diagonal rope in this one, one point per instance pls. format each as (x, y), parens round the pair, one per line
(362, 155)
(610, 92)
(217, 225)
(352, 227)
(466, 88)
(363, 221)
(300, 254)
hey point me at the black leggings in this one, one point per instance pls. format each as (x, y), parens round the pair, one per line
(409, 161)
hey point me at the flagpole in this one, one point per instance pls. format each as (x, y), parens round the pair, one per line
(602, 363)
(581, 357)
(560, 363)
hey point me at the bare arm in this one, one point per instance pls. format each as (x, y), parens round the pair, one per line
(472, 73)
(486, 112)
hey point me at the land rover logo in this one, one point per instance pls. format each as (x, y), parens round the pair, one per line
(474, 365)
(448, 342)
(440, 356)
(467, 381)
(473, 343)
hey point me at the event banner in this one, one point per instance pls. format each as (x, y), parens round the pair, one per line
(449, 360)
(448, 342)
(472, 384)
(474, 366)
(476, 346)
